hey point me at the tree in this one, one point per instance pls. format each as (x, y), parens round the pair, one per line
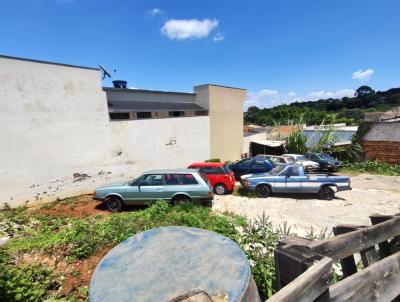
(253, 109)
(364, 91)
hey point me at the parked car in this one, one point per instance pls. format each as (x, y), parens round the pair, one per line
(309, 165)
(326, 161)
(219, 175)
(177, 186)
(285, 160)
(251, 165)
(293, 179)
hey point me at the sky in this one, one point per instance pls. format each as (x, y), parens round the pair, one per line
(280, 51)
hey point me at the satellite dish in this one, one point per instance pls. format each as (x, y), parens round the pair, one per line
(105, 72)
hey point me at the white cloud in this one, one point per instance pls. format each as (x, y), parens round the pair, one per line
(218, 37)
(317, 95)
(362, 75)
(155, 11)
(268, 98)
(268, 92)
(186, 29)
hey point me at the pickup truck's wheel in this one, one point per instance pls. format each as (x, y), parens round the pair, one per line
(180, 199)
(220, 189)
(263, 191)
(114, 204)
(326, 193)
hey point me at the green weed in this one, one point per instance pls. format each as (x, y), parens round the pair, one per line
(372, 167)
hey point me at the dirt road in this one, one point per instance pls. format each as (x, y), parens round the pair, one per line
(371, 194)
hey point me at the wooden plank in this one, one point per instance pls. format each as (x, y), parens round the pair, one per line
(378, 282)
(368, 256)
(309, 286)
(348, 264)
(344, 245)
(294, 240)
(291, 261)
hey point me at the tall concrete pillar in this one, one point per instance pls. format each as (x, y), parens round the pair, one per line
(225, 106)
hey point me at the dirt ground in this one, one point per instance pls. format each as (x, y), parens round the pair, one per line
(371, 194)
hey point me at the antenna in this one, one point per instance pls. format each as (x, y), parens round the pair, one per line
(105, 72)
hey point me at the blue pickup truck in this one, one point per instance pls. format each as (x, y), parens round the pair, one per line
(293, 179)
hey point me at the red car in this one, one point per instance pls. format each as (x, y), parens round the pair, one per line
(219, 175)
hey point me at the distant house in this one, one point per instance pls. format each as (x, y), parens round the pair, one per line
(382, 142)
(388, 116)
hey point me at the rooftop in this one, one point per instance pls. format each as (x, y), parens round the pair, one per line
(130, 90)
(46, 62)
(143, 106)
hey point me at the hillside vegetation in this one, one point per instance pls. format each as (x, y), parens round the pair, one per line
(346, 110)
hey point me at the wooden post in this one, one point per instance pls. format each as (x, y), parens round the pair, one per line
(384, 247)
(291, 261)
(289, 255)
(348, 264)
(368, 256)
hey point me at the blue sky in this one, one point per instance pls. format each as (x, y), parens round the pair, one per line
(279, 51)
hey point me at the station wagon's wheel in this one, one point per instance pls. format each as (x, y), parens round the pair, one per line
(114, 204)
(220, 189)
(263, 191)
(326, 193)
(180, 199)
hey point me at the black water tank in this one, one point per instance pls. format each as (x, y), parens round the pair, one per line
(120, 84)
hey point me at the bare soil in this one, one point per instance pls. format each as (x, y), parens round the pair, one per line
(79, 206)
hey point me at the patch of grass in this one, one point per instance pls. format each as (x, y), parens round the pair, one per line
(24, 283)
(372, 167)
(245, 192)
(80, 238)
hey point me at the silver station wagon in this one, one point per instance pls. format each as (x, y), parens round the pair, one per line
(177, 186)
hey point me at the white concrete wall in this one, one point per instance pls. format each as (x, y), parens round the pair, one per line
(54, 123)
(389, 132)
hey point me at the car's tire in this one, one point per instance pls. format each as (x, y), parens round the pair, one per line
(114, 204)
(263, 191)
(326, 193)
(220, 189)
(180, 199)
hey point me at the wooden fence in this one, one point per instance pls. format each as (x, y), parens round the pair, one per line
(304, 267)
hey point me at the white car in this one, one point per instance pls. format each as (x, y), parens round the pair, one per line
(308, 165)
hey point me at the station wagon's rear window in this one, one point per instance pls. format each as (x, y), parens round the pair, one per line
(180, 179)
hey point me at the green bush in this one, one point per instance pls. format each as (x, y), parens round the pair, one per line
(372, 167)
(79, 238)
(27, 283)
(213, 160)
